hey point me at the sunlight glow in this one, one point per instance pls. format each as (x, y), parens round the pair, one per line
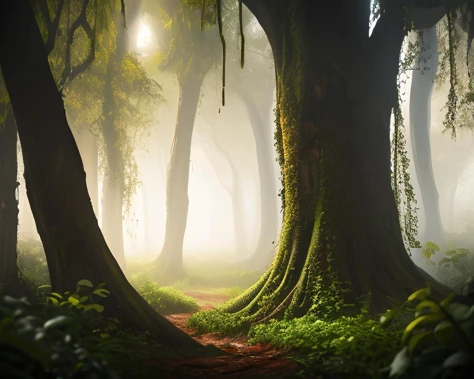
(144, 36)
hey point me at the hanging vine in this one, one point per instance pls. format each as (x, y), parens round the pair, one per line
(221, 34)
(402, 188)
(242, 37)
(452, 103)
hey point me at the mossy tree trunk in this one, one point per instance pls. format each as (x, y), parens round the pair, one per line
(8, 204)
(170, 261)
(56, 185)
(420, 125)
(341, 236)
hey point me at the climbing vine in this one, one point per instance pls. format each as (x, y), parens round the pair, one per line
(452, 103)
(402, 188)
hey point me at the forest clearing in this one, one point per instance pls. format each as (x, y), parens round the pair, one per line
(236, 188)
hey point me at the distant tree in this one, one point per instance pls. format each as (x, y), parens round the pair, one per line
(74, 245)
(420, 126)
(190, 55)
(255, 85)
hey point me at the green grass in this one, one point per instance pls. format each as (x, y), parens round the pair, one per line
(166, 300)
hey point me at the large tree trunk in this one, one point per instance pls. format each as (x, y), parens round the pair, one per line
(74, 245)
(8, 205)
(341, 237)
(170, 261)
(420, 123)
(89, 149)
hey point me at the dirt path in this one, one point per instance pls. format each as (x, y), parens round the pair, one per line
(243, 361)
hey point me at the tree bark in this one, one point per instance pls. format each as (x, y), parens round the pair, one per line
(74, 245)
(420, 125)
(89, 149)
(170, 262)
(341, 237)
(8, 205)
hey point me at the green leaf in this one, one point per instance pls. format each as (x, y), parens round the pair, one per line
(426, 319)
(458, 311)
(421, 294)
(85, 283)
(52, 300)
(99, 308)
(444, 303)
(427, 253)
(44, 288)
(102, 292)
(55, 294)
(400, 363)
(83, 299)
(56, 322)
(431, 245)
(73, 300)
(416, 339)
(444, 332)
(463, 251)
(425, 305)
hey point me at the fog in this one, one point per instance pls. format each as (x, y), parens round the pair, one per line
(224, 217)
(233, 173)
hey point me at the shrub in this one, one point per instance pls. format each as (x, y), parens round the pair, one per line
(165, 300)
(439, 341)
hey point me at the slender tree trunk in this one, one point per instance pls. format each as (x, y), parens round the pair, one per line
(235, 193)
(74, 245)
(420, 123)
(341, 237)
(262, 256)
(146, 220)
(112, 200)
(170, 261)
(8, 205)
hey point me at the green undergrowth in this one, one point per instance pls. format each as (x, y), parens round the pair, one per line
(348, 346)
(356, 346)
(213, 320)
(66, 336)
(32, 264)
(166, 300)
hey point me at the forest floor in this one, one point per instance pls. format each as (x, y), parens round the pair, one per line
(242, 361)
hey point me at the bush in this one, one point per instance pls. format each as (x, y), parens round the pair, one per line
(438, 342)
(66, 337)
(165, 300)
